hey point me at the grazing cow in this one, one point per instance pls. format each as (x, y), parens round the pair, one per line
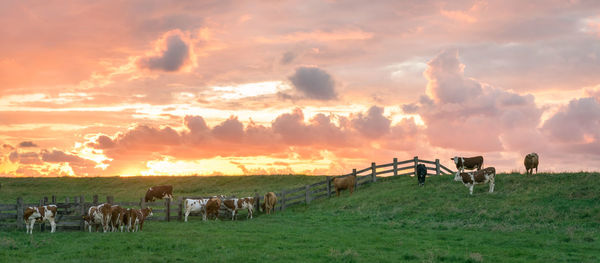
(531, 161)
(471, 163)
(117, 218)
(239, 203)
(342, 183)
(212, 207)
(483, 176)
(40, 214)
(269, 203)
(159, 192)
(195, 205)
(136, 218)
(421, 174)
(90, 219)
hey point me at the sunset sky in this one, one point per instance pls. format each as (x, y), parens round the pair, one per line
(105, 88)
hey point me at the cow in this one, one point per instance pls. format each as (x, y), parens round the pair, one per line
(195, 205)
(483, 176)
(159, 192)
(469, 163)
(90, 219)
(212, 207)
(117, 218)
(269, 203)
(239, 203)
(136, 218)
(40, 214)
(342, 183)
(421, 174)
(531, 161)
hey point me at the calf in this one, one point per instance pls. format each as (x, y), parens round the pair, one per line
(195, 205)
(136, 218)
(90, 219)
(470, 163)
(117, 220)
(212, 207)
(269, 203)
(531, 161)
(242, 203)
(159, 192)
(421, 174)
(103, 215)
(486, 175)
(342, 183)
(40, 214)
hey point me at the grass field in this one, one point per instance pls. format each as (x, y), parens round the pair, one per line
(540, 218)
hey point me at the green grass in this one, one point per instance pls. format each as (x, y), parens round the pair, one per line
(541, 218)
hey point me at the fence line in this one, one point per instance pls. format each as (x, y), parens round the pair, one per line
(70, 212)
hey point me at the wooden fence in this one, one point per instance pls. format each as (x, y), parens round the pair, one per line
(70, 212)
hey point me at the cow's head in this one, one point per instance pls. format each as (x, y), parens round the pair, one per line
(455, 159)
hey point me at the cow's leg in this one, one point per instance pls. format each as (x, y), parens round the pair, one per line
(31, 224)
(52, 225)
(351, 190)
(337, 192)
(471, 189)
(187, 213)
(492, 184)
(232, 215)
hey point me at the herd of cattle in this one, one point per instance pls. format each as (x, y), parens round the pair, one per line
(116, 218)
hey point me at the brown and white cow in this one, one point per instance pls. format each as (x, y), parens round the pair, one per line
(531, 161)
(136, 218)
(212, 206)
(342, 183)
(239, 203)
(159, 192)
(269, 203)
(90, 219)
(117, 218)
(195, 205)
(40, 214)
(469, 163)
(483, 176)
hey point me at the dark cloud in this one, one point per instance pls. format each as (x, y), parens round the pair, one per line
(175, 55)
(25, 158)
(314, 83)
(287, 58)
(230, 130)
(26, 144)
(373, 124)
(410, 108)
(578, 122)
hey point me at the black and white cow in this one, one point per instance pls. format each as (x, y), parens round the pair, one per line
(421, 174)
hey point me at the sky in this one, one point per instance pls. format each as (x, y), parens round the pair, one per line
(126, 88)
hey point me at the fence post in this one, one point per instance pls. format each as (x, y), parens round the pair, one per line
(257, 202)
(142, 203)
(282, 200)
(20, 212)
(67, 200)
(95, 200)
(168, 209)
(416, 163)
(307, 195)
(110, 199)
(82, 211)
(53, 199)
(437, 167)
(373, 175)
(355, 178)
(42, 202)
(328, 186)
(180, 212)
(395, 166)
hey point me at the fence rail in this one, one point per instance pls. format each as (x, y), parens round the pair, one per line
(70, 212)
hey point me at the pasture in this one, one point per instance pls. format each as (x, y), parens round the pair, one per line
(539, 218)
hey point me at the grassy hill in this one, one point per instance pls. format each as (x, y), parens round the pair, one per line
(540, 218)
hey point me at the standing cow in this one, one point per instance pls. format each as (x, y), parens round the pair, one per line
(469, 163)
(531, 161)
(421, 174)
(269, 202)
(484, 176)
(343, 183)
(159, 192)
(40, 214)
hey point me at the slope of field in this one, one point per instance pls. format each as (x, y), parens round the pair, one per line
(540, 218)
(134, 188)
